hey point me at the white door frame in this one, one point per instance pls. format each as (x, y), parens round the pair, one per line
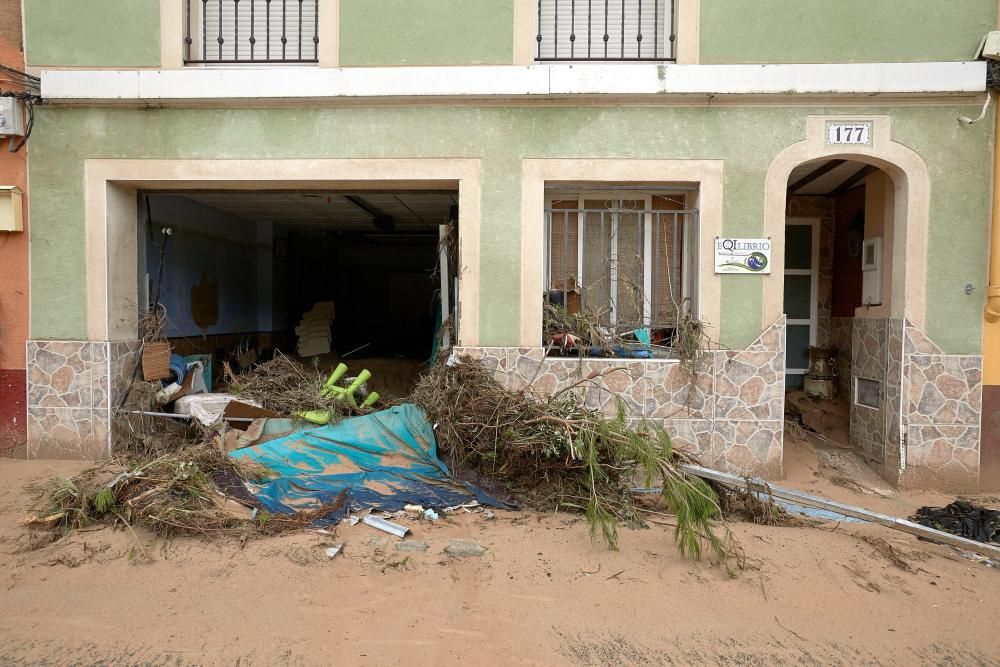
(813, 271)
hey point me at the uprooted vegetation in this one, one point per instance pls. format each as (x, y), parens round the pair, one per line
(554, 453)
(548, 452)
(287, 387)
(178, 493)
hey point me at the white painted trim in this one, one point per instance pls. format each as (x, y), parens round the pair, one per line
(110, 187)
(688, 22)
(911, 206)
(329, 33)
(813, 273)
(204, 83)
(171, 34)
(536, 172)
(647, 264)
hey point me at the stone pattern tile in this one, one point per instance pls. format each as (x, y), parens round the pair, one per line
(61, 374)
(917, 342)
(753, 447)
(750, 385)
(943, 404)
(69, 395)
(64, 433)
(877, 354)
(621, 382)
(943, 457)
(123, 357)
(670, 394)
(944, 389)
(730, 416)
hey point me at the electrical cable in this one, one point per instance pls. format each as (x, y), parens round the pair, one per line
(23, 75)
(29, 100)
(29, 82)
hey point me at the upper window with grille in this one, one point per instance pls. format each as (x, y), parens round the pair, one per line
(608, 30)
(251, 31)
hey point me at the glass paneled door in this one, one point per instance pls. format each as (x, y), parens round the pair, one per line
(801, 296)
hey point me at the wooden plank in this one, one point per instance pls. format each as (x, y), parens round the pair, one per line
(808, 500)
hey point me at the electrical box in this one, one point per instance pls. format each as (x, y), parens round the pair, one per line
(11, 117)
(871, 276)
(11, 213)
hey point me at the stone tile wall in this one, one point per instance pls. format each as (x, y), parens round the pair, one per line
(943, 403)
(935, 398)
(731, 415)
(876, 354)
(72, 389)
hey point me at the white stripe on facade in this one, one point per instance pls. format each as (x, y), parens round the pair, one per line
(249, 83)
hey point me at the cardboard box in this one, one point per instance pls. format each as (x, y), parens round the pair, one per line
(156, 361)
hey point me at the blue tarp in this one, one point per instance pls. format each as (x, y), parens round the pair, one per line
(385, 460)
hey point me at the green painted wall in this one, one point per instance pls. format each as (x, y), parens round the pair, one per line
(747, 139)
(426, 32)
(821, 31)
(92, 33)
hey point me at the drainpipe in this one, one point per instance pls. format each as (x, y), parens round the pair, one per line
(992, 313)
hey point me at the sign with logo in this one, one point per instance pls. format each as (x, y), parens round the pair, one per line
(742, 255)
(857, 134)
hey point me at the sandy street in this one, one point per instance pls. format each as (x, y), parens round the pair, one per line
(541, 594)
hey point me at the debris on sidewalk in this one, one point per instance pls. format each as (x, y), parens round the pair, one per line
(385, 460)
(504, 446)
(385, 526)
(963, 519)
(751, 486)
(410, 546)
(464, 549)
(172, 494)
(552, 452)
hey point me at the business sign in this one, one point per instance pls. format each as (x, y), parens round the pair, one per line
(742, 255)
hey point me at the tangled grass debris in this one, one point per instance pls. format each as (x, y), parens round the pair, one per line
(173, 494)
(553, 452)
(285, 386)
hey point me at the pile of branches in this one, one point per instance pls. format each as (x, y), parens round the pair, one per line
(552, 452)
(285, 386)
(186, 492)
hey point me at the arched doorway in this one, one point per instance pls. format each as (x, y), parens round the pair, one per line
(906, 188)
(843, 346)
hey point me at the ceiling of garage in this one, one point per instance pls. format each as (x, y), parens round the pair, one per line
(341, 211)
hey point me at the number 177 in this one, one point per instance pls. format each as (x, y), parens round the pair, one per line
(851, 134)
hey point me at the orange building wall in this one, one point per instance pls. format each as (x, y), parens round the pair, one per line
(13, 258)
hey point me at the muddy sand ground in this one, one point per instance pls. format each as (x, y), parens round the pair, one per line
(541, 594)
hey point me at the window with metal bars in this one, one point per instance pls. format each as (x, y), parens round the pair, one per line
(625, 263)
(251, 31)
(610, 30)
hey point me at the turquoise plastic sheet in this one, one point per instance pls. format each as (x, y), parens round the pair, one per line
(385, 460)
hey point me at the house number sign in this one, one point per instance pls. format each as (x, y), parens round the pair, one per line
(849, 133)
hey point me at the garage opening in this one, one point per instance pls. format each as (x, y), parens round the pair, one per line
(351, 276)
